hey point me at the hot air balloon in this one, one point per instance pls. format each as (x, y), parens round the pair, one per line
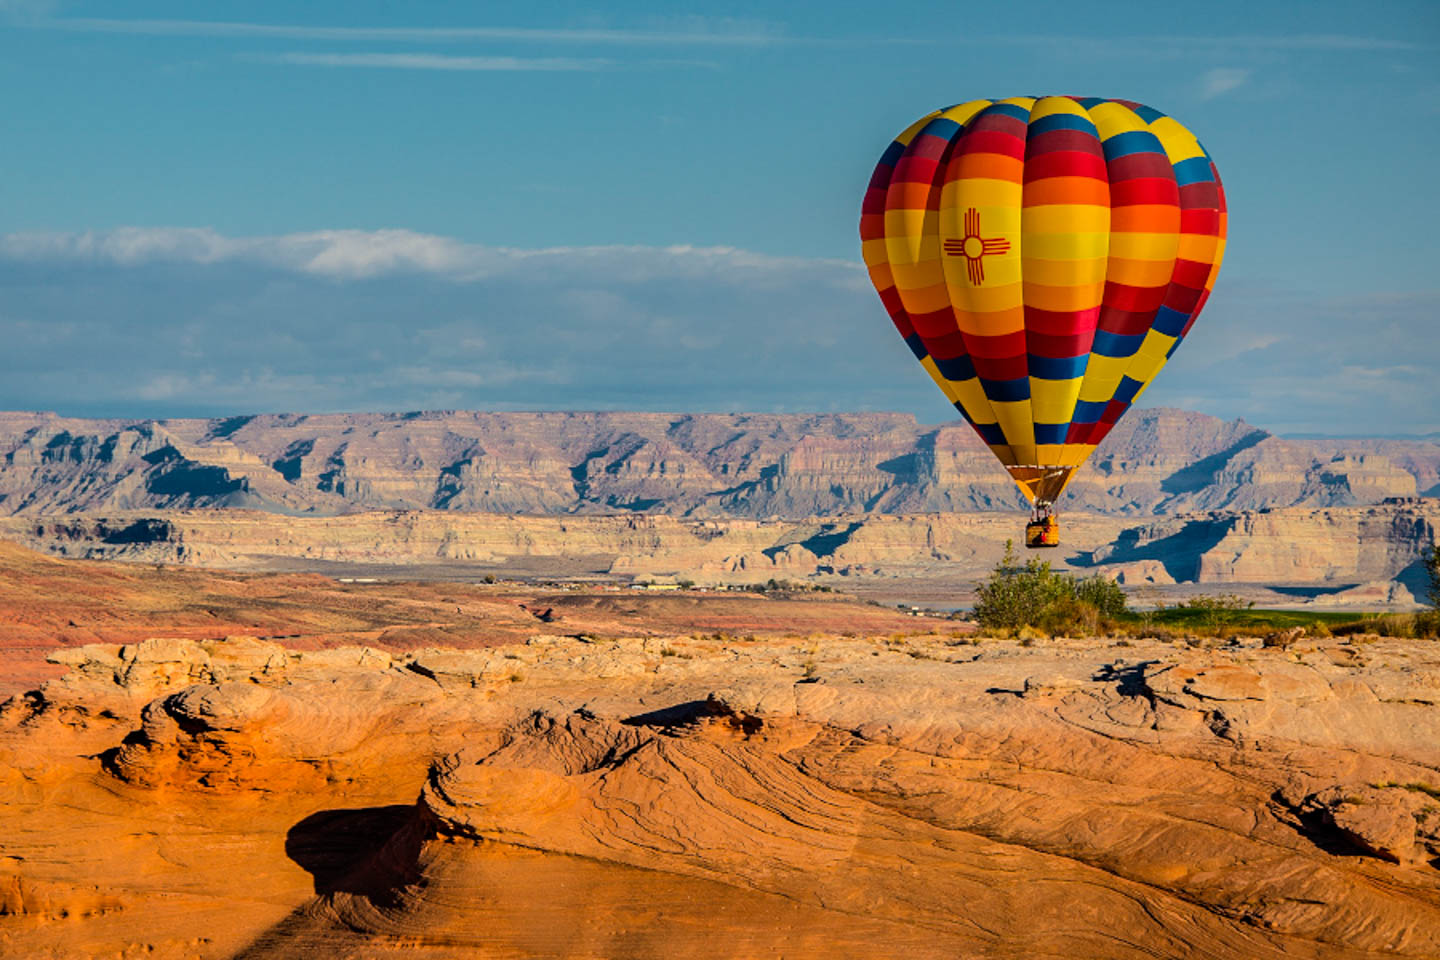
(1043, 258)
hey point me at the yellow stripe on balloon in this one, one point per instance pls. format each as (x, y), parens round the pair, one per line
(1066, 273)
(1158, 247)
(1102, 376)
(1018, 425)
(1049, 106)
(1150, 357)
(906, 231)
(962, 113)
(1112, 118)
(1066, 246)
(873, 253)
(1004, 453)
(1180, 144)
(1053, 401)
(973, 399)
(1199, 247)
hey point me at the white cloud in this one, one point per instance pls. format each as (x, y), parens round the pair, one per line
(178, 321)
(435, 61)
(690, 32)
(1223, 80)
(361, 254)
(189, 321)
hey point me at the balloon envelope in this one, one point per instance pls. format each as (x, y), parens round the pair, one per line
(1043, 258)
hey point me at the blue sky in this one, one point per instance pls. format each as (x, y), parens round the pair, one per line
(381, 206)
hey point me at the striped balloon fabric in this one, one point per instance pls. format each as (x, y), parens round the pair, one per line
(1043, 258)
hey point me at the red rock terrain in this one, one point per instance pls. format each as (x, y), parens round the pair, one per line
(663, 792)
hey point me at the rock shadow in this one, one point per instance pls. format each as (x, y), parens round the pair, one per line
(333, 845)
(1178, 553)
(692, 713)
(1204, 472)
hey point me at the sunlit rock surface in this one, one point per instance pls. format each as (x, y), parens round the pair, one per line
(688, 796)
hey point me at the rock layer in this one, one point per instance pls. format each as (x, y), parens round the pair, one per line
(741, 465)
(1360, 556)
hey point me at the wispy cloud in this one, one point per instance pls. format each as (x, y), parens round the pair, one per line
(26, 10)
(434, 61)
(692, 33)
(149, 321)
(164, 322)
(1172, 46)
(367, 254)
(717, 32)
(1223, 80)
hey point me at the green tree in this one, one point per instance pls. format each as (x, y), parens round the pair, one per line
(1034, 595)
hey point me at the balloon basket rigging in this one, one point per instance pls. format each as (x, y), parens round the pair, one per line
(1043, 530)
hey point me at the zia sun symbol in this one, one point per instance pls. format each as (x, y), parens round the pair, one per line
(973, 247)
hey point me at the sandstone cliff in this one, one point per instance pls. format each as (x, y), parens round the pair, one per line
(751, 465)
(1330, 551)
(1347, 545)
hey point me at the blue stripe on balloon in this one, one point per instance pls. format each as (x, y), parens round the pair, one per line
(1125, 393)
(991, 433)
(892, 154)
(1053, 368)
(1051, 432)
(1131, 141)
(1169, 321)
(1194, 170)
(1010, 110)
(1091, 102)
(1089, 411)
(956, 368)
(1109, 344)
(1061, 121)
(917, 346)
(1148, 114)
(942, 128)
(1007, 391)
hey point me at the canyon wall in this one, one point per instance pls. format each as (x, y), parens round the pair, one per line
(1156, 462)
(1332, 549)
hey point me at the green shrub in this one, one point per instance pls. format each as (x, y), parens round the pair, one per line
(1102, 593)
(1035, 596)
(1070, 617)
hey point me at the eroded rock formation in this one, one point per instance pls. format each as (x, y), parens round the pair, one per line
(685, 797)
(1362, 556)
(743, 465)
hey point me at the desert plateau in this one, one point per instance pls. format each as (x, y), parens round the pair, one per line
(213, 764)
(1175, 502)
